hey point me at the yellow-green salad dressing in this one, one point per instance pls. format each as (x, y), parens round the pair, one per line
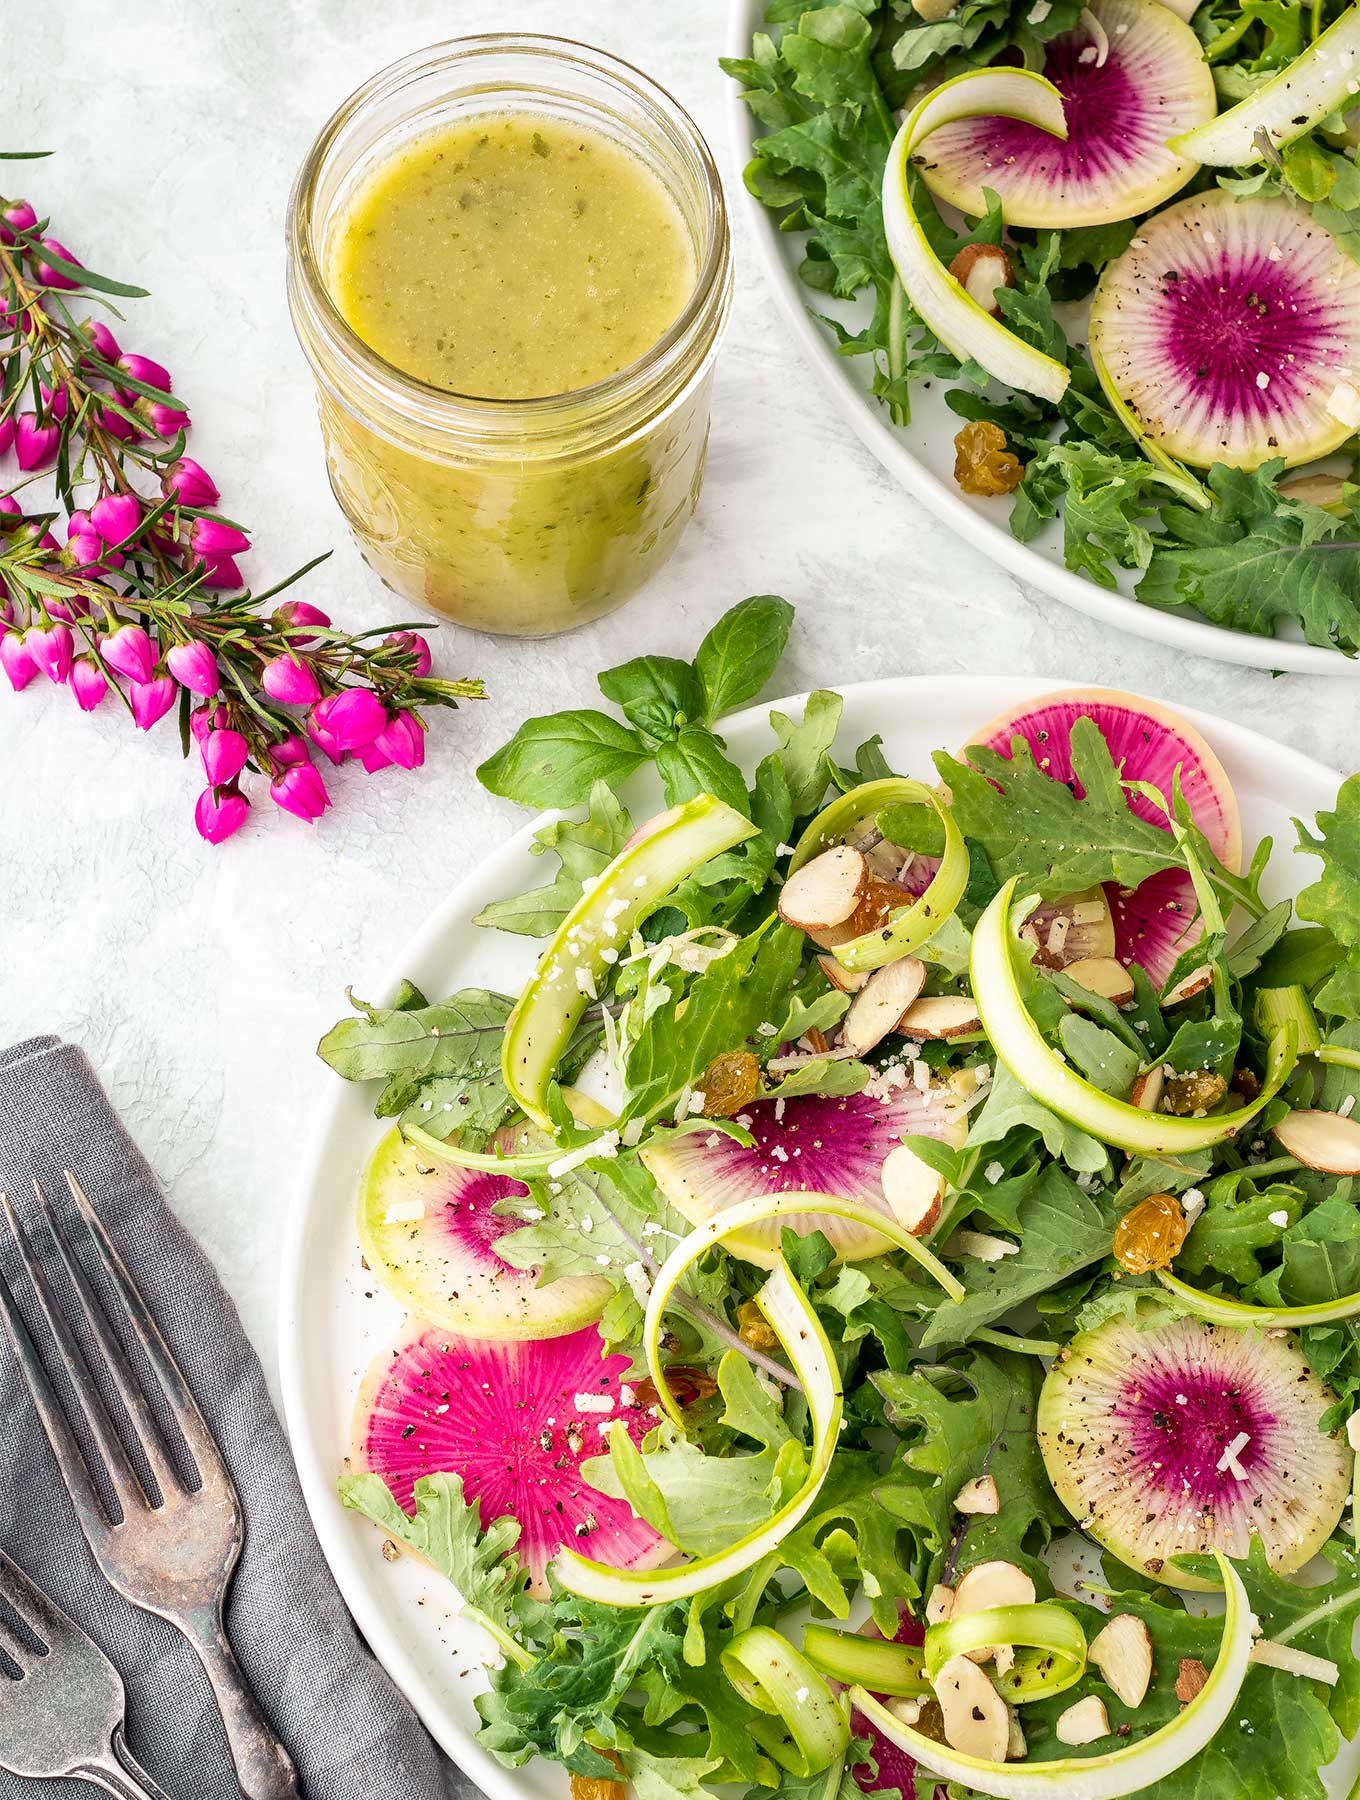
(515, 257)
(512, 257)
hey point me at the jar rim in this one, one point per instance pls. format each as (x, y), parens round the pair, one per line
(434, 408)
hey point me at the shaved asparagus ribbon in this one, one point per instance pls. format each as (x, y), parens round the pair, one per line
(1219, 1311)
(1053, 1657)
(1173, 475)
(916, 924)
(957, 320)
(812, 1729)
(794, 1320)
(1021, 1046)
(887, 1668)
(1319, 81)
(514, 1162)
(1118, 1772)
(660, 856)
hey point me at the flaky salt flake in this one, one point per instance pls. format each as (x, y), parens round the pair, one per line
(1228, 1463)
(1280, 1218)
(994, 1171)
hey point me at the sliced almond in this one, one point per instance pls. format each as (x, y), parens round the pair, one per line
(940, 1604)
(977, 1721)
(1003, 1659)
(978, 1496)
(912, 1189)
(880, 1003)
(879, 901)
(1016, 1747)
(1317, 490)
(1146, 1092)
(904, 1708)
(932, 11)
(825, 891)
(845, 981)
(989, 1584)
(1104, 976)
(1321, 1140)
(981, 269)
(940, 1016)
(1190, 1678)
(1190, 985)
(1123, 1654)
(1084, 1722)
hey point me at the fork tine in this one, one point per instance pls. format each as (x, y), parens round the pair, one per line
(70, 1459)
(32, 1605)
(194, 1427)
(125, 1383)
(121, 1475)
(14, 1647)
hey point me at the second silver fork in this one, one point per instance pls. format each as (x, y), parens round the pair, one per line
(171, 1551)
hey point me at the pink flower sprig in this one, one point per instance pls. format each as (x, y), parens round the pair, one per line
(141, 597)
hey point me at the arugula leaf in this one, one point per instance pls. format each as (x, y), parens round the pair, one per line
(457, 1041)
(1037, 828)
(447, 1533)
(723, 1008)
(1333, 900)
(805, 749)
(740, 653)
(1061, 1230)
(1010, 1107)
(1106, 498)
(1256, 557)
(971, 1416)
(585, 847)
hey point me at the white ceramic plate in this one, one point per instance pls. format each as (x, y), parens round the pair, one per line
(921, 455)
(332, 1318)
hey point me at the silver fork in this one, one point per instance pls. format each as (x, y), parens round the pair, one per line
(170, 1552)
(63, 1715)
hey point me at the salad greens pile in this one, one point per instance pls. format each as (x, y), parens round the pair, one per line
(827, 84)
(942, 1456)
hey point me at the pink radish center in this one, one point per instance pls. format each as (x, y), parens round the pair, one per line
(472, 1223)
(826, 1145)
(1242, 330)
(1178, 1426)
(1108, 125)
(514, 1420)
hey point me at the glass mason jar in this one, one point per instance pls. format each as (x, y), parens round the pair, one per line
(518, 516)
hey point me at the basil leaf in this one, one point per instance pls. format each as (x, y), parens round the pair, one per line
(658, 694)
(695, 763)
(555, 761)
(738, 656)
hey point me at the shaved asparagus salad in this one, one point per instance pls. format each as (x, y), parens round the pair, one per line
(1124, 234)
(883, 1295)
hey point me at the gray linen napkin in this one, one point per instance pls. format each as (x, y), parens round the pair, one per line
(350, 1732)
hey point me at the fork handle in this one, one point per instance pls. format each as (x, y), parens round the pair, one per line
(264, 1768)
(121, 1774)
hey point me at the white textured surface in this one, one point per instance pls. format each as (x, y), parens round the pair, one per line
(198, 979)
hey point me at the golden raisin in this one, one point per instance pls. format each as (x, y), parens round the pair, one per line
(1193, 1093)
(755, 1328)
(598, 1787)
(730, 1082)
(1150, 1234)
(686, 1385)
(983, 464)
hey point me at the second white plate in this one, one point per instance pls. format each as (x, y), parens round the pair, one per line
(921, 456)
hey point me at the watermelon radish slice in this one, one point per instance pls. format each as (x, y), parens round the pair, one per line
(1156, 922)
(515, 1421)
(429, 1231)
(1226, 328)
(832, 1145)
(1190, 1436)
(896, 1769)
(1121, 107)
